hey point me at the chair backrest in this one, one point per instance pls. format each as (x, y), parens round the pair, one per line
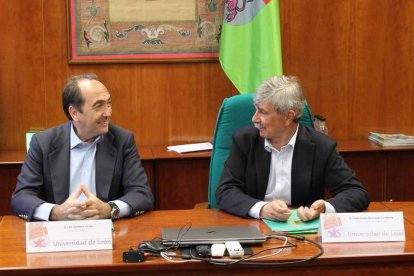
(235, 113)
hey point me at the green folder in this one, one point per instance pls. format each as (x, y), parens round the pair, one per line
(294, 225)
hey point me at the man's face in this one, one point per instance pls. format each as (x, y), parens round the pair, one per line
(271, 124)
(96, 111)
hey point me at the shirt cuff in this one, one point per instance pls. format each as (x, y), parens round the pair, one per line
(124, 208)
(329, 208)
(255, 210)
(42, 212)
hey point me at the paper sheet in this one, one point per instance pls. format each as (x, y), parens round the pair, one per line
(191, 147)
(294, 225)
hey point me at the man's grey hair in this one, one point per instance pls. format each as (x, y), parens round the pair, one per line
(284, 93)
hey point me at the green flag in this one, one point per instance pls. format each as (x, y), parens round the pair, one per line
(250, 46)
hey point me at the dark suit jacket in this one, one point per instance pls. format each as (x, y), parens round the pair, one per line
(316, 165)
(44, 176)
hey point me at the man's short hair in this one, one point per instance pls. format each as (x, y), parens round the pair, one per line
(284, 93)
(72, 95)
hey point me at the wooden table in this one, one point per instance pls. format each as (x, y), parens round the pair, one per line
(406, 206)
(339, 259)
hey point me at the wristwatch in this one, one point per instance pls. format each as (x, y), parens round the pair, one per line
(114, 210)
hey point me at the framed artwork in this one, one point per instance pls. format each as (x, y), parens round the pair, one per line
(104, 31)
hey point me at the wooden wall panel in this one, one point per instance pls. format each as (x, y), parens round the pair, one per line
(163, 103)
(56, 69)
(9, 173)
(176, 188)
(21, 71)
(355, 59)
(400, 176)
(371, 170)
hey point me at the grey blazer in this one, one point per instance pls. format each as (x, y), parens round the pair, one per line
(44, 176)
(316, 166)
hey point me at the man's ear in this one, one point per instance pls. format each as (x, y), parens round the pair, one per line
(290, 117)
(73, 113)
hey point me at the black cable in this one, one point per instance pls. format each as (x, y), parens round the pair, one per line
(302, 239)
(177, 242)
(242, 260)
(278, 263)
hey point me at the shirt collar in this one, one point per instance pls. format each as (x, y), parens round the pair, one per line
(268, 146)
(74, 138)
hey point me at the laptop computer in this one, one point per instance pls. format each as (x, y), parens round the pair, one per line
(211, 235)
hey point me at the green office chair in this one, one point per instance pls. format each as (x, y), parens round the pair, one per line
(235, 113)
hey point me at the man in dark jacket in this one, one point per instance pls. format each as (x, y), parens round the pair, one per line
(86, 168)
(279, 163)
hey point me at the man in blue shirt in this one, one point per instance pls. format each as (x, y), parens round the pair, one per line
(86, 168)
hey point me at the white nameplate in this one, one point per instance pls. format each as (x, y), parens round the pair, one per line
(362, 227)
(71, 235)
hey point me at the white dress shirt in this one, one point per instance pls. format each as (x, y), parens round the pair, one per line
(279, 183)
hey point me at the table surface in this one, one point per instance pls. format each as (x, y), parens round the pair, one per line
(130, 232)
(161, 152)
(365, 145)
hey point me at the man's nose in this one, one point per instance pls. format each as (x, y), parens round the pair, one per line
(254, 118)
(108, 111)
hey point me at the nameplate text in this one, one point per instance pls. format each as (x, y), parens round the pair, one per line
(362, 227)
(53, 236)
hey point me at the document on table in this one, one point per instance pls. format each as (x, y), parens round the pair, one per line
(191, 147)
(294, 225)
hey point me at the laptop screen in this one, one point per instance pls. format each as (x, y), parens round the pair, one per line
(211, 235)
